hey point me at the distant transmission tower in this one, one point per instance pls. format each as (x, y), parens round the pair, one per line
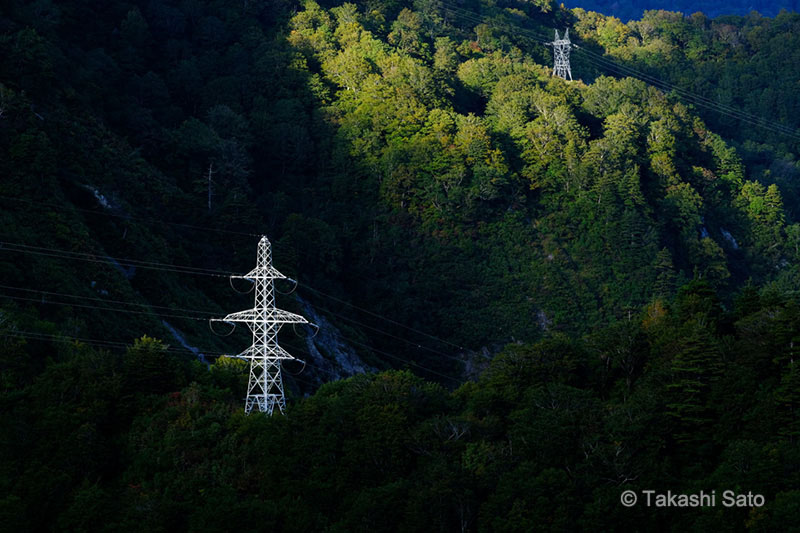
(561, 48)
(265, 387)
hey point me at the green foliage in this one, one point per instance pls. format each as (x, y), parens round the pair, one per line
(402, 140)
(694, 367)
(568, 422)
(148, 368)
(420, 165)
(725, 60)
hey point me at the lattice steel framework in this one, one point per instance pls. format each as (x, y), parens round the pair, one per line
(561, 48)
(265, 386)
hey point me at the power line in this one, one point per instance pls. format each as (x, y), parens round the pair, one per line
(121, 302)
(130, 311)
(123, 344)
(120, 345)
(412, 343)
(409, 361)
(106, 300)
(692, 98)
(102, 343)
(93, 342)
(598, 61)
(476, 18)
(722, 108)
(210, 313)
(92, 258)
(409, 328)
(101, 308)
(166, 267)
(180, 269)
(129, 217)
(604, 63)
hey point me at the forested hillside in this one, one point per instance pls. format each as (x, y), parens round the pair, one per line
(731, 67)
(622, 262)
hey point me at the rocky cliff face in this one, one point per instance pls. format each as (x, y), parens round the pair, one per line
(332, 357)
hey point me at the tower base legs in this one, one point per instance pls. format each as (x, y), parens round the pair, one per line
(264, 403)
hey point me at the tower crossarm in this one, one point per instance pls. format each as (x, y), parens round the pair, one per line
(278, 316)
(261, 273)
(276, 352)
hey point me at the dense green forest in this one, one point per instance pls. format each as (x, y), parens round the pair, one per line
(684, 397)
(572, 289)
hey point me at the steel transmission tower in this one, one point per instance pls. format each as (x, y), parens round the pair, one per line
(561, 48)
(265, 386)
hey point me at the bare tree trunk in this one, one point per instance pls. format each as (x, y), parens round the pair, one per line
(210, 183)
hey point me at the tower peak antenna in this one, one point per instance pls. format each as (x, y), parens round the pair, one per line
(265, 386)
